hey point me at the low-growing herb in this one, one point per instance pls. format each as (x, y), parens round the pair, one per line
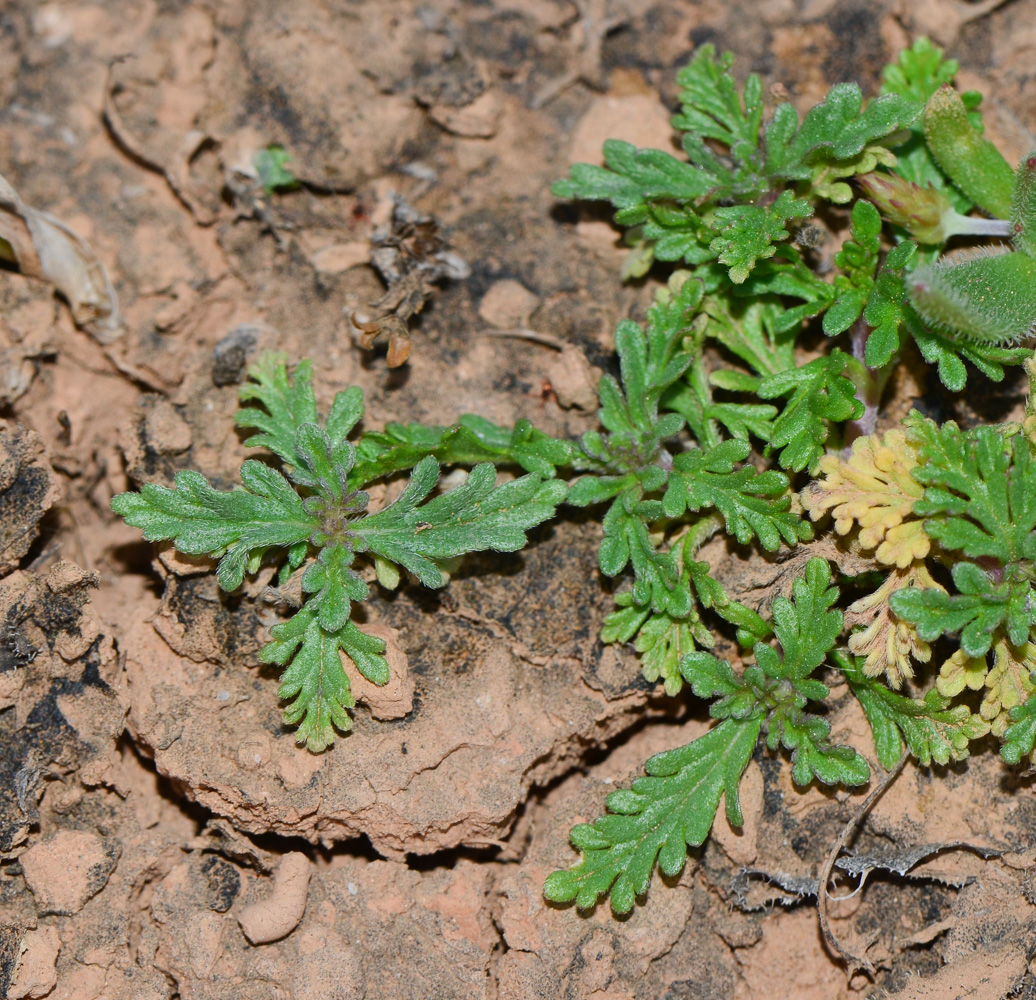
(747, 405)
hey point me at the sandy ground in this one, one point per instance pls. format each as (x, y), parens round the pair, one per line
(161, 834)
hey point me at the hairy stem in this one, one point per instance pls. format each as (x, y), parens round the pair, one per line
(701, 531)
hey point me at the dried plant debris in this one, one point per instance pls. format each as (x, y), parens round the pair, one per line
(169, 154)
(44, 247)
(787, 889)
(412, 256)
(22, 353)
(28, 489)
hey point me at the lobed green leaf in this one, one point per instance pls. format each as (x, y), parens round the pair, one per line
(239, 525)
(820, 394)
(931, 729)
(473, 517)
(664, 813)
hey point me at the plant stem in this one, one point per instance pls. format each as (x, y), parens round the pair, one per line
(870, 385)
(955, 224)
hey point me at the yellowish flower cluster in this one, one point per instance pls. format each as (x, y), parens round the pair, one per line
(873, 490)
(1007, 685)
(889, 643)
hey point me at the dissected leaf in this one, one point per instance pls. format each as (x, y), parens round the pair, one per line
(748, 232)
(976, 611)
(753, 505)
(238, 526)
(634, 176)
(960, 671)
(820, 394)
(874, 490)
(888, 644)
(806, 627)
(838, 128)
(980, 490)
(289, 403)
(1008, 683)
(1021, 734)
(858, 260)
(315, 682)
(658, 818)
(884, 309)
(317, 509)
(473, 517)
(472, 440)
(931, 729)
(710, 104)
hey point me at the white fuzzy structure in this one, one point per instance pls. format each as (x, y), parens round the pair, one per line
(973, 296)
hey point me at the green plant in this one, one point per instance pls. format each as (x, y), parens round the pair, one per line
(723, 381)
(906, 170)
(271, 164)
(314, 515)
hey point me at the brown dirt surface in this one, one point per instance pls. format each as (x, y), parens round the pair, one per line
(161, 834)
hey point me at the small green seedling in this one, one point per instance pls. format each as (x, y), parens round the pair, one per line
(312, 518)
(271, 163)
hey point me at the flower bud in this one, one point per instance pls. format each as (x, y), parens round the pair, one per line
(919, 210)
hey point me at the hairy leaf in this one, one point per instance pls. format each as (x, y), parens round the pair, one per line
(1021, 734)
(747, 233)
(658, 818)
(980, 490)
(976, 611)
(753, 504)
(858, 260)
(820, 394)
(976, 167)
(1007, 683)
(931, 729)
(239, 525)
(473, 517)
(289, 403)
(836, 129)
(472, 440)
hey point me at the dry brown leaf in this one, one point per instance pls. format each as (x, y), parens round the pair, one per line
(44, 247)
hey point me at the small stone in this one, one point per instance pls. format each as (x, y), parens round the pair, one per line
(507, 305)
(636, 118)
(36, 974)
(230, 355)
(739, 843)
(339, 257)
(574, 379)
(167, 431)
(477, 120)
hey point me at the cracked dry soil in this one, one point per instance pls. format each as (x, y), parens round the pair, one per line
(161, 835)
